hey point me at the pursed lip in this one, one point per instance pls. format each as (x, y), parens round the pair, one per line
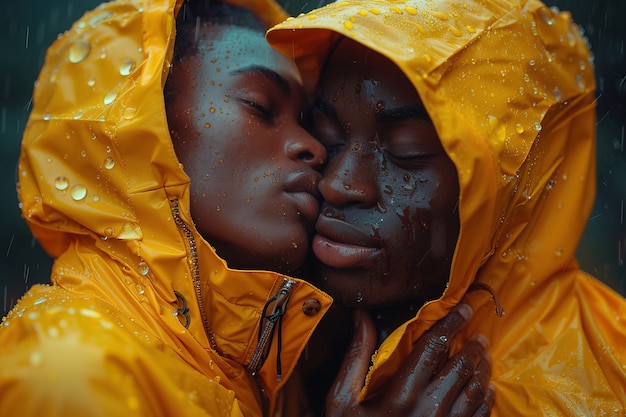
(341, 245)
(301, 186)
(342, 232)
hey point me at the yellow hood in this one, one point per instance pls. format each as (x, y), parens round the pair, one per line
(510, 88)
(102, 190)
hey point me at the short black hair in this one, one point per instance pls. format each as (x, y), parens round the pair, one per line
(197, 13)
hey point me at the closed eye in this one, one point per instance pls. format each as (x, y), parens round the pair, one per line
(265, 112)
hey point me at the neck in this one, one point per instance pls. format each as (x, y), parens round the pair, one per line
(386, 320)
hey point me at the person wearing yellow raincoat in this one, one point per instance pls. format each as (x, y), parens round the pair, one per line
(509, 87)
(143, 317)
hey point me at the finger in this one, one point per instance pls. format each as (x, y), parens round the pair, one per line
(430, 352)
(484, 409)
(460, 369)
(351, 377)
(476, 392)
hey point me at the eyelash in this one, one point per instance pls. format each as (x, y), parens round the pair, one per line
(266, 113)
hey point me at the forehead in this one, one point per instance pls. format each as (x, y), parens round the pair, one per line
(353, 64)
(232, 47)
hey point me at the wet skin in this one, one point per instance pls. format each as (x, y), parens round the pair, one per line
(389, 223)
(238, 126)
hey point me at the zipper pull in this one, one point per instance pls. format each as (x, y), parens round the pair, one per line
(267, 326)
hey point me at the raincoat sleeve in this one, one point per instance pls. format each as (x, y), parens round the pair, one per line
(74, 361)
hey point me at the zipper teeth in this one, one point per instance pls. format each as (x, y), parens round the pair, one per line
(195, 271)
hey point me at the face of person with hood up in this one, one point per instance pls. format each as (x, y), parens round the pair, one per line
(238, 120)
(389, 222)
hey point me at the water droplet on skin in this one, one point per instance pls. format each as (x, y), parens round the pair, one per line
(77, 114)
(46, 117)
(78, 192)
(559, 252)
(108, 99)
(519, 128)
(143, 268)
(127, 67)
(129, 113)
(109, 162)
(538, 126)
(79, 50)
(83, 154)
(550, 185)
(557, 94)
(91, 82)
(359, 297)
(61, 183)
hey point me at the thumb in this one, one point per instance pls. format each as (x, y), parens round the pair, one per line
(351, 377)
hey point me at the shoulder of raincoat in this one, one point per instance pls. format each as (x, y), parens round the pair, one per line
(509, 85)
(127, 328)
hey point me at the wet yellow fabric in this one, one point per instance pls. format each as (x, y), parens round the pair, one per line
(510, 88)
(102, 190)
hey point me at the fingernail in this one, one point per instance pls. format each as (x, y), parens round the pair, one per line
(465, 311)
(482, 339)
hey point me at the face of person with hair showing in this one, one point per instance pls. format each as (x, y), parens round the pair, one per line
(238, 119)
(389, 223)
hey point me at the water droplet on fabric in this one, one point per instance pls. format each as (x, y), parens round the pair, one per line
(110, 97)
(78, 192)
(129, 113)
(127, 67)
(35, 360)
(547, 15)
(61, 183)
(79, 50)
(109, 162)
(143, 268)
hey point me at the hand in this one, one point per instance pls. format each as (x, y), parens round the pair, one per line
(428, 384)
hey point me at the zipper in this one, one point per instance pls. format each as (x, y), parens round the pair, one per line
(278, 303)
(195, 270)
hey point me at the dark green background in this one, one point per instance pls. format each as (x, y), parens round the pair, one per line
(27, 27)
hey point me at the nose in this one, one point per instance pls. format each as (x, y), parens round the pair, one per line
(350, 178)
(305, 148)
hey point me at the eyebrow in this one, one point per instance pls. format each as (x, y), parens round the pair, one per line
(395, 114)
(271, 75)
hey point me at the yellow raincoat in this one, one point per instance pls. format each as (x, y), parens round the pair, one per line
(102, 190)
(509, 86)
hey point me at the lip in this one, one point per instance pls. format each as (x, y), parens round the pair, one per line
(340, 245)
(301, 186)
